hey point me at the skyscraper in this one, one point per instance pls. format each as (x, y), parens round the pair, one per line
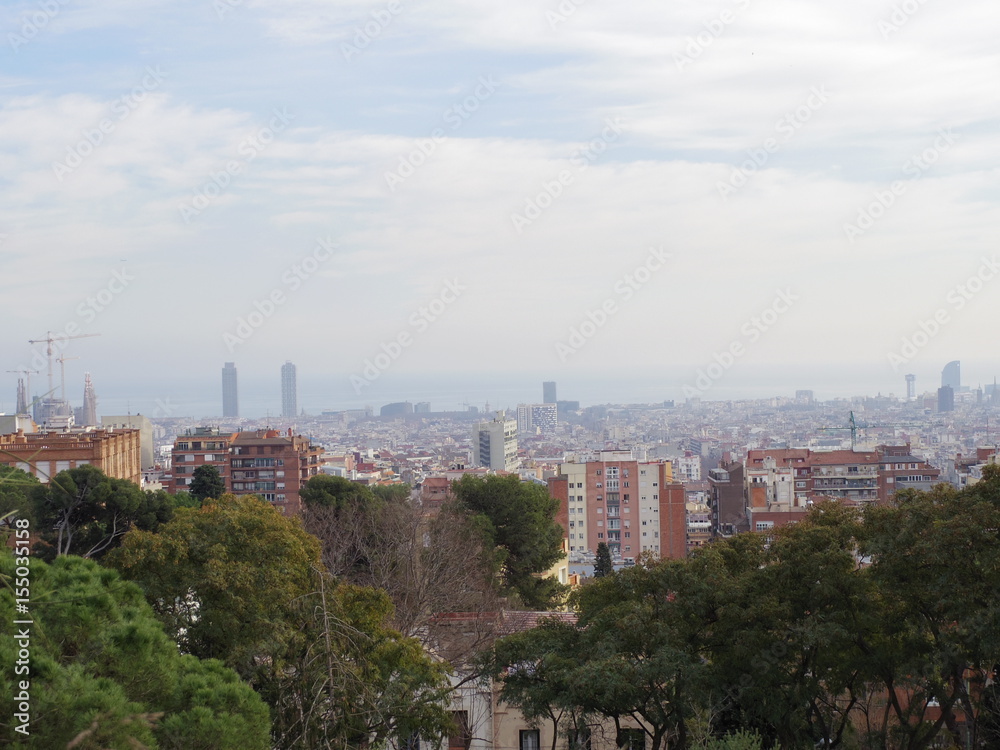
(951, 376)
(911, 387)
(946, 398)
(289, 391)
(549, 392)
(230, 397)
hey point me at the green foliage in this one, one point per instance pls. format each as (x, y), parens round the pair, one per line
(518, 519)
(104, 673)
(336, 492)
(84, 512)
(223, 577)
(740, 740)
(239, 581)
(603, 566)
(873, 629)
(15, 495)
(354, 681)
(206, 482)
(392, 493)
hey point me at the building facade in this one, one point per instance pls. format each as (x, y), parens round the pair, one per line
(494, 444)
(230, 391)
(549, 392)
(199, 447)
(272, 465)
(45, 454)
(537, 419)
(289, 391)
(632, 506)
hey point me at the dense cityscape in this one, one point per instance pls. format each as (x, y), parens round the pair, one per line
(507, 375)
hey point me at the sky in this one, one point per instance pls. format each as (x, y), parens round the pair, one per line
(713, 199)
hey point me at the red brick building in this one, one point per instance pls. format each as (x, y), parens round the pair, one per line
(632, 506)
(266, 463)
(116, 452)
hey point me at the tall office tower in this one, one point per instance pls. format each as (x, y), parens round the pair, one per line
(911, 387)
(951, 376)
(289, 391)
(22, 397)
(946, 398)
(494, 444)
(230, 395)
(89, 414)
(549, 392)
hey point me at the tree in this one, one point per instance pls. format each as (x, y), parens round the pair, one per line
(392, 493)
(336, 492)
(518, 520)
(352, 681)
(239, 581)
(84, 512)
(104, 673)
(536, 669)
(603, 566)
(16, 487)
(426, 563)
(206, 482)
(936, 565)
(223, 577)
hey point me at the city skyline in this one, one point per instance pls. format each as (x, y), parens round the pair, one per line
(708, 168)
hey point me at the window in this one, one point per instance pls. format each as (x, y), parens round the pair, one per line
(462, 736)
(632, 739)
(410, 743)
(598, 472)
(600, 535)
(625, 484)
(529, 739)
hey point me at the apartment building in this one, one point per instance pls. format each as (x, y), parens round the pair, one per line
(632, 506)
(199, 447)
(781, 484)
(266, 463)
(116, 452)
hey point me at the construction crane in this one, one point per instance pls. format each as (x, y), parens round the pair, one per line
(853, 426)
(49, 340)
(62, 373)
